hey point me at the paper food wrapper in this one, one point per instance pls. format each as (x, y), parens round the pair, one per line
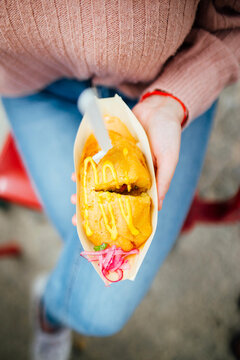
(115, 106)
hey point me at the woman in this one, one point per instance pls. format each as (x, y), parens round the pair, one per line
(189, 50)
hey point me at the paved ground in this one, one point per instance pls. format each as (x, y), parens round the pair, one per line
(191, 310)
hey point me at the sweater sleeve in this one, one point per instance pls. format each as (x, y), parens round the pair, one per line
(208, 60)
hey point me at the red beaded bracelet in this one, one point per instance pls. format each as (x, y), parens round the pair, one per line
(164, 93)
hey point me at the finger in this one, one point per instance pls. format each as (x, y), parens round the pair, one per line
(135, 109)
(73, 177)
(74, 220)
(142, 114)
(74, 199)
(165, 170)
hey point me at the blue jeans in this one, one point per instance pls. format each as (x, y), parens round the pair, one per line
(45, 127)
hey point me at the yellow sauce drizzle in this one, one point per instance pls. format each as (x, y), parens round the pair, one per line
(128, 216)
(109, 165)
(87, 161)
(112, 229)
(125, 153)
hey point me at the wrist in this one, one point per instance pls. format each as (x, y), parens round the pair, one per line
(169, 103)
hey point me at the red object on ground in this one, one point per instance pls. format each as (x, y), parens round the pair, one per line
(15, 185)
(213, 212)
(10, 249)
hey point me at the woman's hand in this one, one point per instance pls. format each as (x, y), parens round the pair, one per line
(161, 118)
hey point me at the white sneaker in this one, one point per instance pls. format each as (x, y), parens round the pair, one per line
(47, 346)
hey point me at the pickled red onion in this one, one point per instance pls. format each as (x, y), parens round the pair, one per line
(111, 261)
(119, 273)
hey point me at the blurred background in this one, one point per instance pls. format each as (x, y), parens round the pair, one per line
(193, 308)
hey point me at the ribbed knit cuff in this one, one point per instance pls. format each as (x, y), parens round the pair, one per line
(198, 74)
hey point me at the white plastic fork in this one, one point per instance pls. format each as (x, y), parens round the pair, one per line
(87, 101)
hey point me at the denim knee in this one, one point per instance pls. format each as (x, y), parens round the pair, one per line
(94, 325)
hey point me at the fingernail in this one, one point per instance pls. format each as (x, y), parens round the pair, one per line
(73, 177)
(74, 199)
(74, 220)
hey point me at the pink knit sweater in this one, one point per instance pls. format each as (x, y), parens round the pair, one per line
(190, 48)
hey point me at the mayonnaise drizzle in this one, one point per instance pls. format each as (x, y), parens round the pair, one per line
(87, 161)
(112, 229)
(109, 165)
(128, 216)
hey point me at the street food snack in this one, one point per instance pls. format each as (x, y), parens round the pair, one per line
(115, 207)
(116, 198)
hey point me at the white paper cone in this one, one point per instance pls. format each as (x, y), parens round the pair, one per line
(115, 106)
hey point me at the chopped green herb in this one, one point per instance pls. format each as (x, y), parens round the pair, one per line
(103, 246)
